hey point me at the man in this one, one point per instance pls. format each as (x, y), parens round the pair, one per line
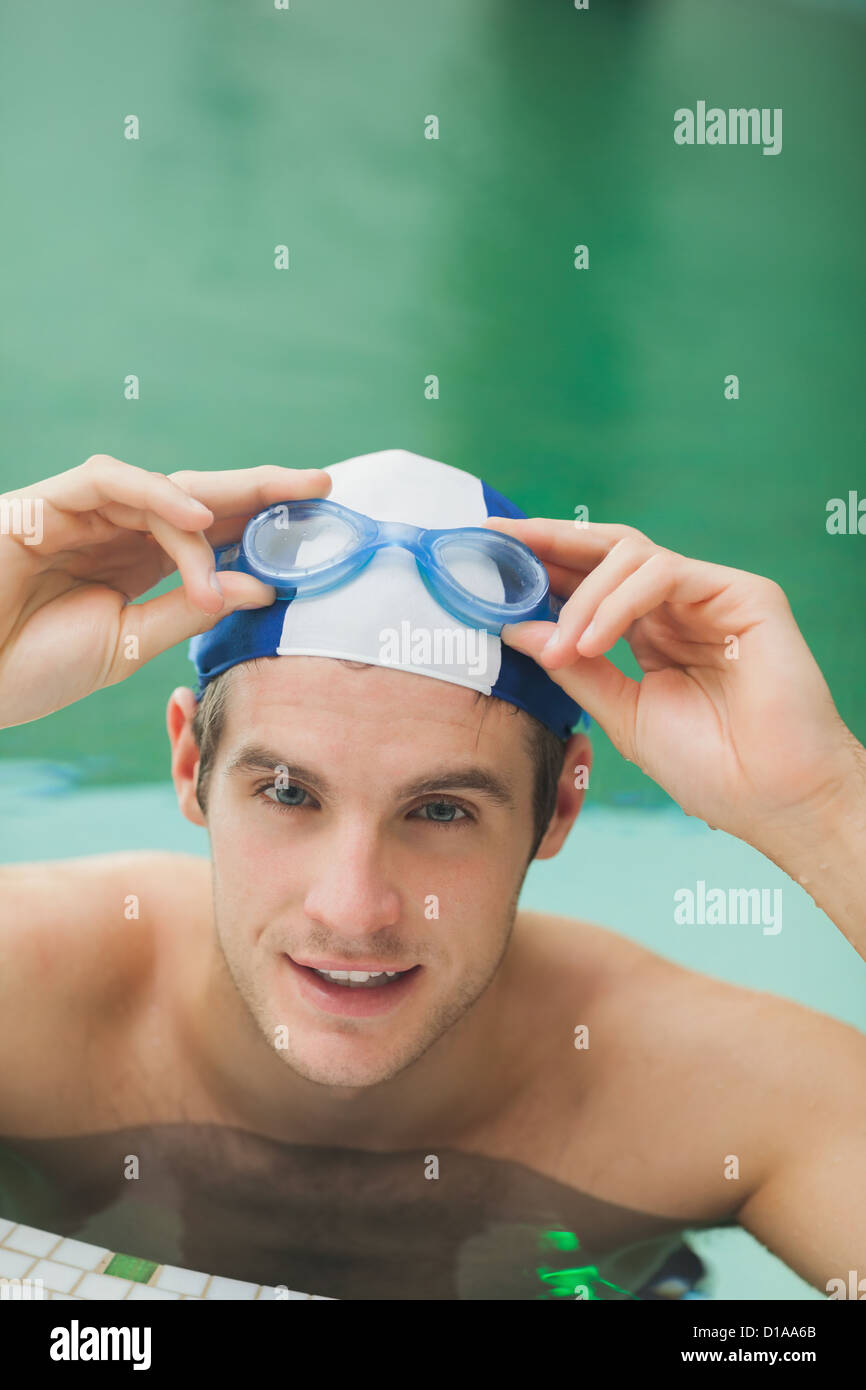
(198, 1078)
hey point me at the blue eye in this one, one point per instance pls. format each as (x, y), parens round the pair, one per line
(287, 797)
(449, 807)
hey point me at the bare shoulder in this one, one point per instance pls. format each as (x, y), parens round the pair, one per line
(85, 952)
(767, 1034)
(748, 1043)
(696, 1068)
(86, 930)
(602, 957)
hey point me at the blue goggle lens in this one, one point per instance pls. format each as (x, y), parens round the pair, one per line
(302, 540)
(494, 572)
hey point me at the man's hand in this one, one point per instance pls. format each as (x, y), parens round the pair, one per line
(109, 533)
(732, 717)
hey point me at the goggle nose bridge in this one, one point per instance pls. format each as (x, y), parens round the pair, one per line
(397, 533)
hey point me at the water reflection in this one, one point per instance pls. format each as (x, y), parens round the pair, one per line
(346, 1223)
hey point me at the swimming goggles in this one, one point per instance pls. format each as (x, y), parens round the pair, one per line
(309, 546)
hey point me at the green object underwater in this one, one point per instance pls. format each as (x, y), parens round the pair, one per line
(576, 1281)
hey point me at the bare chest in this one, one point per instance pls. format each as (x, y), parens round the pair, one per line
(131, 1154)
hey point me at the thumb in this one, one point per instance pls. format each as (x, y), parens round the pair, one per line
(599, 687)
(163, 622)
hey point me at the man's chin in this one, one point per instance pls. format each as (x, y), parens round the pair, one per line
(326, 1067)
(350, 1058)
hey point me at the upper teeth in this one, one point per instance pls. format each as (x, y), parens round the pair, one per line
(359, 977)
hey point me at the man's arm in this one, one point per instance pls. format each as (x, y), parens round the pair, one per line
(825, 852)
(738, 1104)
(810, 1207)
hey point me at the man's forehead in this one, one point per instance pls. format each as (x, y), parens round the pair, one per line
(334, 690)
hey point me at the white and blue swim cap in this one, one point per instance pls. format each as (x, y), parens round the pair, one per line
(385, 615)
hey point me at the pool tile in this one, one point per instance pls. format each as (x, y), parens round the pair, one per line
(13, 1265)
(142, 1292)
(103, 1286)
(269, 1291)
(128, 1267)
(79, 1253)
(31, 1240)
(58, 1278)
(188, 1281)
(221, 1287)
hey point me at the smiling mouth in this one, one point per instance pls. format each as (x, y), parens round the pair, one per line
(359, 979)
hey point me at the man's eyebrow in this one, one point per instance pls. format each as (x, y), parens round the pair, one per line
(470, 779)
(255, 758)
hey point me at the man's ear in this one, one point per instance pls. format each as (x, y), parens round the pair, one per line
(179, 715)
(570, 790)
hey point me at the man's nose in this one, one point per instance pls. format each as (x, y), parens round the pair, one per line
(352, 891)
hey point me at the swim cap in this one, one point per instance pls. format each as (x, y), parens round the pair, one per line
(385, 615)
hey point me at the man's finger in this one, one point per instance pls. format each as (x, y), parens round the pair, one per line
(102, 480)
(608, 696)
(562, 542)
(163, 622)
(245, 491)
(194, 560)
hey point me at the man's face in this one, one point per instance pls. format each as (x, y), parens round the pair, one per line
(342, 838)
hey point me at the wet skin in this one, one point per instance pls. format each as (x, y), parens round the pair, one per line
(310, 1165)
(352, 1222)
